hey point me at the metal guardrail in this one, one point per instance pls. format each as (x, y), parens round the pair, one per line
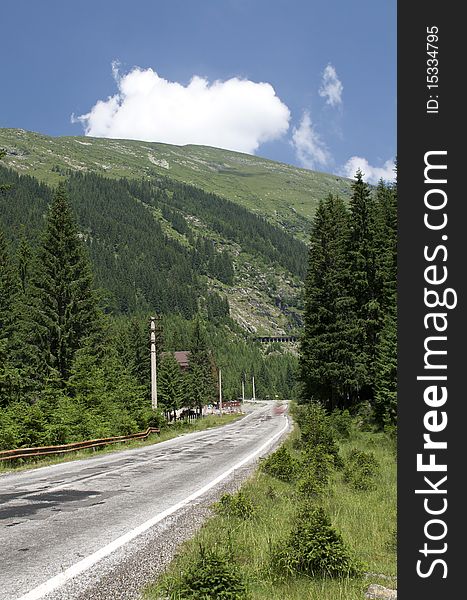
(74, 446)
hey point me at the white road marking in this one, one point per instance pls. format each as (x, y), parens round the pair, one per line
(83, 565)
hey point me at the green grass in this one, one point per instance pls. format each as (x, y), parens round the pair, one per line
(167, 433)
(366, 521)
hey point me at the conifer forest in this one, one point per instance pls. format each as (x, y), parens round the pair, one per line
(84, 265)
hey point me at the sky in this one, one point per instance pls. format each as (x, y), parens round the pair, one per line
(307, 82)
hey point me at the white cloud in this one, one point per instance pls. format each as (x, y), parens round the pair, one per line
(370, 174)
(235, 114)
(310, 149)
(331, 87)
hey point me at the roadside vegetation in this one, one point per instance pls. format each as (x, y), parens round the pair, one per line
(300, 527)
(167, 432)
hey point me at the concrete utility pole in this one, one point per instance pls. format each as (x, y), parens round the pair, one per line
(243, 391)
(220, 390)
(153, 364)
(254, 393)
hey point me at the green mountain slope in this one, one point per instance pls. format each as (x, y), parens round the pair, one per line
(165, 246)
(284, 194)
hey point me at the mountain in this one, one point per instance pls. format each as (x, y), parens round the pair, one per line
(285, 195)
(174, 228)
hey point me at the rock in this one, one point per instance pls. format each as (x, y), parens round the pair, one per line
(380, 592)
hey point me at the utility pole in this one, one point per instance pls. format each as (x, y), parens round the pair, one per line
(243, 390)
(254, 393)
(153, 365)
(220, 390)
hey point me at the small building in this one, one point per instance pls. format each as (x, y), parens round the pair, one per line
(183, 359)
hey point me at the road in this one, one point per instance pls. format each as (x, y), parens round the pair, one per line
(58, 522)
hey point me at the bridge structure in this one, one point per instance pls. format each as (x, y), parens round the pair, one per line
(268, 339)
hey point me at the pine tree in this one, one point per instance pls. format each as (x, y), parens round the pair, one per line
(386, 243)
(64, 303)
(170, 384)
(202, 379)
(365, 283)
(330, 364)
(386, 351)
(112, 399)
(23, 355)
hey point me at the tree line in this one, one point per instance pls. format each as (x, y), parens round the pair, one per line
(348, 352)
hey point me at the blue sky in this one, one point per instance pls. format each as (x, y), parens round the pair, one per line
(57, 57)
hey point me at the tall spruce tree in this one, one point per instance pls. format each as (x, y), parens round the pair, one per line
(386, 351)
(170, 384)
(64, 304)
(201, 387)
(365, 281)
(329, 363)
(386, 242)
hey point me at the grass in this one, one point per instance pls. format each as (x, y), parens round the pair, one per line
(167, 433)
(366, 521)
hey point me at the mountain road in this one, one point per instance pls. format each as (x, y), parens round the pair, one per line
(64, 527)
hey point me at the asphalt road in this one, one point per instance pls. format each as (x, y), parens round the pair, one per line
(59, 522)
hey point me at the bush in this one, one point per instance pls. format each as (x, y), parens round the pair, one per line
(309, 486)
(237, 505)
(212, 577)
(152, 418)
(316, 430)
(281, 465)
(360, 470)
(314, 548)
(341, 423)
(316, 468)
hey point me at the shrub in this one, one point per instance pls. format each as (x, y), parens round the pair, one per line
(360, 470)
(316, 468)
(309, 486)
(316, 430)
(212, 577)
(281, 465)
(318, 461)
(341, 423)
(314, 548)
(237, 505)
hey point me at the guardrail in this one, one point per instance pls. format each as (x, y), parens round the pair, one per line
(73, 447)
